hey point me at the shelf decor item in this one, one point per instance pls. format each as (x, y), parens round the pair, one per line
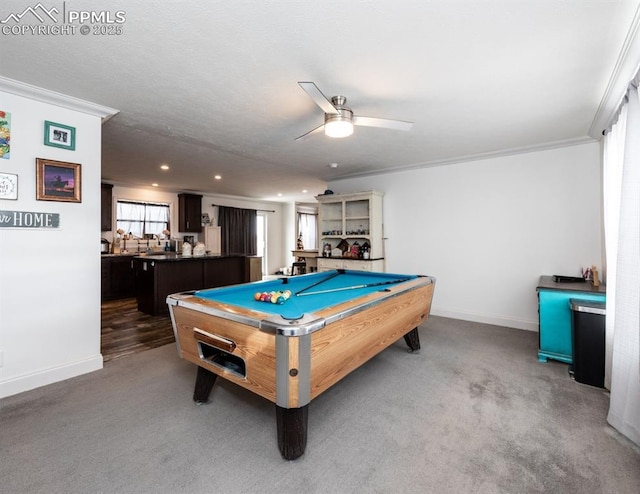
(59, 136)
(57, 181)
(8, 186)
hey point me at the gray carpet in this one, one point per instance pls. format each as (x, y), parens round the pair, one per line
(474, 411)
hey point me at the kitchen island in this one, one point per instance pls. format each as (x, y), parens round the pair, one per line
(159, 275)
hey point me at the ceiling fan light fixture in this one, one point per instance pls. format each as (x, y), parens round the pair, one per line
(338, 128)
(340, 125)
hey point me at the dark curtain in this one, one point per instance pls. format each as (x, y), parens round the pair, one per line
(238, 229)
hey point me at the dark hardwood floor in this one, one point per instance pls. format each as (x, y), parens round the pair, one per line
(126, 331)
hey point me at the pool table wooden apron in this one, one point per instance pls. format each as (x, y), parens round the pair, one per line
(292, 362)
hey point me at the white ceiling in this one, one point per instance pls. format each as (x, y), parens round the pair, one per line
(211, 87)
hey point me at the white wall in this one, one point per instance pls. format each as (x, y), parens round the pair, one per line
(49, 279)
(488, 229)
(276, 254)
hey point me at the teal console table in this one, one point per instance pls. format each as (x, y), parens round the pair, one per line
(554, 312)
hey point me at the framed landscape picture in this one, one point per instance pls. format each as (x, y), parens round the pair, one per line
(59, 136)
(57, 181)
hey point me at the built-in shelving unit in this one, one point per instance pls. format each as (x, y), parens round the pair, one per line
(355, 219)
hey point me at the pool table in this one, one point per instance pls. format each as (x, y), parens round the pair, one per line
(289, 353)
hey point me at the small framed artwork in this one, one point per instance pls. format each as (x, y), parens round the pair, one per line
(59, 136)
(8, 186)
(57, 181)
(5, 134)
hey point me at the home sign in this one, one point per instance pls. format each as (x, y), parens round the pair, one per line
(28, 219)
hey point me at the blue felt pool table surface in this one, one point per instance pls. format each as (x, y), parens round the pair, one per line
(309, 293)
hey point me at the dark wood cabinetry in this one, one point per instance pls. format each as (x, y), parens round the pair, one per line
(117, 277)
(189, 213)
(106, 207)
(159, 276)
(155, 280)
(224, 272)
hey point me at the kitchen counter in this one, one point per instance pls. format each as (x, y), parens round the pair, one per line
(173, 256)
(165, 256)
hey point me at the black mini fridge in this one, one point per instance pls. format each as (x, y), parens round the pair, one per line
(588, 338)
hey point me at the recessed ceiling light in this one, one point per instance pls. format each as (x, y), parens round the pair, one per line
(154, 185)
(304, 191)
(279, 194)
(164, 167)
(333, 165)
(218, 177)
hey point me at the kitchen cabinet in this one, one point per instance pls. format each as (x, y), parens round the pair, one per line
(554, 311)
(157, 276)
(253, 269)
(351, 218)
(189, 213)
(117, 277)
(213, 240)
(106, 207)
(223, 271)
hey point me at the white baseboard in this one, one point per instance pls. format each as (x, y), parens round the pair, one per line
(486, 319)
(49, 376)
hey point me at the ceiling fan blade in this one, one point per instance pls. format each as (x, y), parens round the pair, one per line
(320, 99)
(313, 131)
(383, 123)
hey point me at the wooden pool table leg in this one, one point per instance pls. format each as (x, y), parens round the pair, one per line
(292, 431)
(412, 338)
(204, 384)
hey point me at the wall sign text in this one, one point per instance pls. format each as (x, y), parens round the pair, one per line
(29, 219)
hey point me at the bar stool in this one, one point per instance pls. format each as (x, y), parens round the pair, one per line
(301, 266)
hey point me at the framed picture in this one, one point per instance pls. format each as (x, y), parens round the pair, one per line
(59, 136)
(8, 186)
(57, 181)
(5, 134)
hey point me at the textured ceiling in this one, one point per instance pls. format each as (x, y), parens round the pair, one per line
(211, 87)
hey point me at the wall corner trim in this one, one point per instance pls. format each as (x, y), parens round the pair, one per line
(624, 71)
(51, 97)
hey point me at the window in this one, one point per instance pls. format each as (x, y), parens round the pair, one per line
(142, 218)
(308, 229)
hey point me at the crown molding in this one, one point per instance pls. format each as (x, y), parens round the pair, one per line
(624, 71)
(473, 157)
(51, 97)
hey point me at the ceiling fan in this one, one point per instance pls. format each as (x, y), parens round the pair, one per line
(339, 118)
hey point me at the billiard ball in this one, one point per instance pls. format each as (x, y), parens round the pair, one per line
(257, 295)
